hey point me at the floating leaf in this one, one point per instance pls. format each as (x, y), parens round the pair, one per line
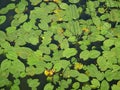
(101, 61)
(74, 1)
(93, 72)
(17, 21)
(96, 21)
(2, 19)
(94, 54)
(44, 49)
(82, 78)
(43, 25)
(60, 64)
(35, 2)
(48, 86)
(23, 52)
(64, 44)
(71, 13)
(115, 87)
(76, 85)
(104, 85)
(86, 87)
(15, 87)
(63, 5)
(84, 54)
(95, 83)
(101, 10)
(108, 42)
(2, 36)
(5, 65)
(69, 52)
(33, 83)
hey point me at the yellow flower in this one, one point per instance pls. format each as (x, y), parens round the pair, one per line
(46, 72)
(78, 66)
(49, 72)
(85, 29)
(46, 0)
(57, 1)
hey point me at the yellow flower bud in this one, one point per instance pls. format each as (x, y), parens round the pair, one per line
(78, 66)
(85, 29)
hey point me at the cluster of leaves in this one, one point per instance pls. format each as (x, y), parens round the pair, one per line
(75, 45)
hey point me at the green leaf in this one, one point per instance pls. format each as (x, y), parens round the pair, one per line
(108, 43)
(93, 72)
(4, 10)
(115, 87)
(23, 52)
(33, 83)
(102, 63)
(48, 86)
(76, 85)
(2, 19)
(69, 52)
(27, 26)
(63, 5)
(2, 36)
(44, 49)
(95, 83)
(112, 75)
(86, 87)
(94, 54)
(5, 65)
(96, 20)
(20, 19)
(34, 40)
(21, 6)
(71, 13)
(43, 25)
(73, 73)
(53, 46)
(72, 39)
(82, 78)
(60, 64)
(11, 55)
(64, 84)
(84, 54)
(101, 10)
(15, 87)
(35, 2)
(17, 81)
(64, 44)
(16, 68)
(74, 1)
(104, 85)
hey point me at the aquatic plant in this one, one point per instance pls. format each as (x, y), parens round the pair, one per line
(60, 45)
